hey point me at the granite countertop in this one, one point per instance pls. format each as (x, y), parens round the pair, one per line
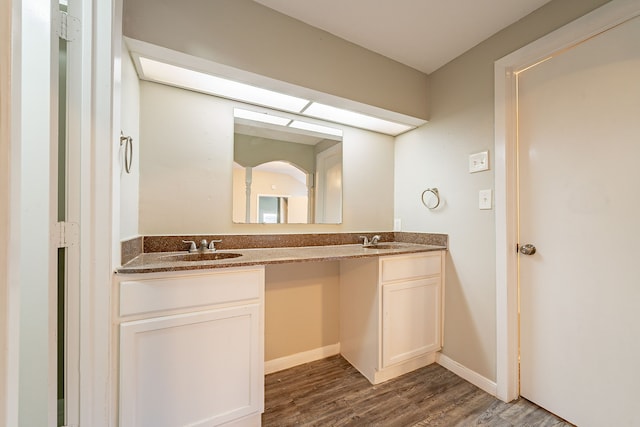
(161, 261)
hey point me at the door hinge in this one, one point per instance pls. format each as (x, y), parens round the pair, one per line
(66, 234)
(68, 26)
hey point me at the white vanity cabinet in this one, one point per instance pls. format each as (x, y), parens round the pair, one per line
(191, 348)
(391, 313)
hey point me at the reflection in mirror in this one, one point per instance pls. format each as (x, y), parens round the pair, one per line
(273, 209)
(286, 171)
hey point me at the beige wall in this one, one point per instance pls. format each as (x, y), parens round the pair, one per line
(186, 161)
(248, 36)
(302, 307)
(130, 122)
(436, 155)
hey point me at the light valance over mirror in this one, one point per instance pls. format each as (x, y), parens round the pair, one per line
(286, 170)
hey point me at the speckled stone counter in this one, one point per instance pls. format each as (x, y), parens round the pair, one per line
(153, 262)
(147, 254)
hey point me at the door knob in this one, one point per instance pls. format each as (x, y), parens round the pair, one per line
(527, 249)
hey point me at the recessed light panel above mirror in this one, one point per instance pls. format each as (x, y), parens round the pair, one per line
(175, 75)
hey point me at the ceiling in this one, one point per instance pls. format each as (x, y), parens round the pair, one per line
(423, 34)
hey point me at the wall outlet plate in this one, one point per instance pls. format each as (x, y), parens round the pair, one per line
(485, 199)
(479, 162)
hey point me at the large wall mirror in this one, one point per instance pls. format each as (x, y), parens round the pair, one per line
(286, 170)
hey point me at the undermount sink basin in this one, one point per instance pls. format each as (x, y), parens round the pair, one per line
(206, 256)
(383, 246)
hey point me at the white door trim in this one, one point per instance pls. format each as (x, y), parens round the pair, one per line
(91, 92)
(10, 51)
(96, 352)
(506, 69)
(76, 116)
(37, 191)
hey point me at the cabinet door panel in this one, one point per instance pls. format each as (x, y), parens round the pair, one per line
(193, 369)
(411, 319)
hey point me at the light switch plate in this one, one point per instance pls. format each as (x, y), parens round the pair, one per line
(485, 199)
(479, 162)
(397, 224)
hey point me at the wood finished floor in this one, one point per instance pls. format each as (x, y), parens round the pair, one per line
(331, 392)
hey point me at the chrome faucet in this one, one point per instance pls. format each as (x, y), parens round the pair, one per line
(204, 247)
(373, 242)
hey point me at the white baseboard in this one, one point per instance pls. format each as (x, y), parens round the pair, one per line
(287, 362)
(463, 372)
(402, 368)
(275, 365)
(253, 420)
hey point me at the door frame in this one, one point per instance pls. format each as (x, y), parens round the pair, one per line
(10, 29)
(506, 195)
(101, 20)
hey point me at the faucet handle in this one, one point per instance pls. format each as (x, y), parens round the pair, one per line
(366, 240)
(375, 239)
(192, 245)
(212, 244)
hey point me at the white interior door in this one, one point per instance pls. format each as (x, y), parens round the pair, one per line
(579, 204)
